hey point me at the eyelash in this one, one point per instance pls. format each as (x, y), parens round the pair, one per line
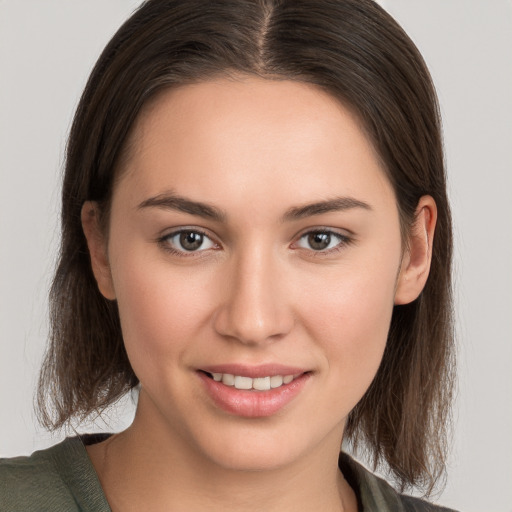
(165, 243)
(343, 241)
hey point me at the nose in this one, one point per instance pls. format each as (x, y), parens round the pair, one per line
(255, 308)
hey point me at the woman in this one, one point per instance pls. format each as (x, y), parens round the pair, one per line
(256, 231)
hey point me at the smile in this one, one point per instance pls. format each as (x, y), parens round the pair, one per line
(253, 392)
(248, 383)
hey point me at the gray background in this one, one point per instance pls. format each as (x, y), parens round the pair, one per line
(47, 49)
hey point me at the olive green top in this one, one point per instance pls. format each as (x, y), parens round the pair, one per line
(63, 479)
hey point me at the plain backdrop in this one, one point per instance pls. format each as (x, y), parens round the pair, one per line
(47, 49)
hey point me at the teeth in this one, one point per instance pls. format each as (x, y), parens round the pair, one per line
(228, 379)
(259, 383)
(276, 381)
(243, 382)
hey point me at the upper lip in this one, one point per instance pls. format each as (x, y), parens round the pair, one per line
(263, 370)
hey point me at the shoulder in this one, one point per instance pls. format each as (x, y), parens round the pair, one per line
(417, 505)
(58, 478)
(33, 483)
(375, 494)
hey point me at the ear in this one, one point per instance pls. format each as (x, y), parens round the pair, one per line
(415, 266)
(97, 244)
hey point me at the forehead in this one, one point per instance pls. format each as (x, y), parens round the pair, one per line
(227, 137)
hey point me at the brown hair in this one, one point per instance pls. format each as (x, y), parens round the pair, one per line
(358, 53)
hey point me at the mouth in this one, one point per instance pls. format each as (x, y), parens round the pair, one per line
(242, 382)
(253, 392)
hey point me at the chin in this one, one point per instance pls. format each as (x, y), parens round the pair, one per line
(256, 449)
(247, 458)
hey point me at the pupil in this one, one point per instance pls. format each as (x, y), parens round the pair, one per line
(191, 241)
(319, 241)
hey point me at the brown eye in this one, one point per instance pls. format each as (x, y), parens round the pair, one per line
(319, 241)
(188, 240)
(323, 241)
(191, 240)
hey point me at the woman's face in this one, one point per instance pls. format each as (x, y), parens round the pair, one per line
(254, 236)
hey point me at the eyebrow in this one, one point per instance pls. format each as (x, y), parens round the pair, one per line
(332, 205)
(171, 201)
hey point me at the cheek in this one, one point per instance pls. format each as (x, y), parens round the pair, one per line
(351, 302)
(349, 317)
(160, 311)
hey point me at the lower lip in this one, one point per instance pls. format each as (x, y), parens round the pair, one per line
(253, 404)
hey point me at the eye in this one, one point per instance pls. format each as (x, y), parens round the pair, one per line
(322, 240)
(188, 240)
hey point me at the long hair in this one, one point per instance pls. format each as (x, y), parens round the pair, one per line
(354, 50)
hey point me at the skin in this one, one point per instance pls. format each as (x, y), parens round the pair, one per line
(255, 292)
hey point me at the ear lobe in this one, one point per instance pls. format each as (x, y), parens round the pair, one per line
(417, 257)
(97, 244)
